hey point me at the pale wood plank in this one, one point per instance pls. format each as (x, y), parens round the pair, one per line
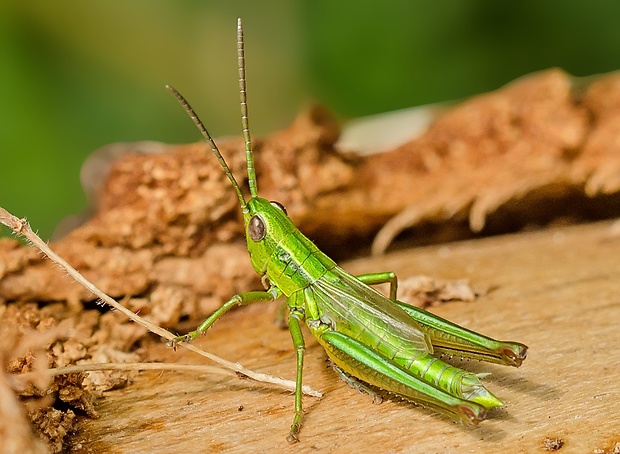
(556, 290)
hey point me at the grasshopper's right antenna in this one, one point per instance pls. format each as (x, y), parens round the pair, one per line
(249, 156)
(214, 148)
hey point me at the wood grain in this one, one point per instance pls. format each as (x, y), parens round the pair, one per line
(557, 291)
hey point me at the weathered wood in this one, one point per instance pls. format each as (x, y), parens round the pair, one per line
(556, 290)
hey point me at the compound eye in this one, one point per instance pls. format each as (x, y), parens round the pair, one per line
(256, 228)
(279, 206)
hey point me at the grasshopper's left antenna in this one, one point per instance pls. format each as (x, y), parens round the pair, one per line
(249, 156)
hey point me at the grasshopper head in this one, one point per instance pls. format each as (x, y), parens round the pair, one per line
(266, 223)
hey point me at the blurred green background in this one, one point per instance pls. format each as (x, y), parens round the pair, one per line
(76, 75)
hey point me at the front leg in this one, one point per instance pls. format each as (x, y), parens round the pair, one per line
(241, 299)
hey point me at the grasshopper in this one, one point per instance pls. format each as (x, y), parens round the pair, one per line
(370, 338)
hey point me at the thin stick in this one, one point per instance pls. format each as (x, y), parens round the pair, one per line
(134, 366)
(21, 227)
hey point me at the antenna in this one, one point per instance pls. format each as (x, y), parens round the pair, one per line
(249, 156)
(216, 151)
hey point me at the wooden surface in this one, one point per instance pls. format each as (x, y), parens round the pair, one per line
(558, 291)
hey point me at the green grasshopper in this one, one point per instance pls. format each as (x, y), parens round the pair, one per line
(371, 339)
